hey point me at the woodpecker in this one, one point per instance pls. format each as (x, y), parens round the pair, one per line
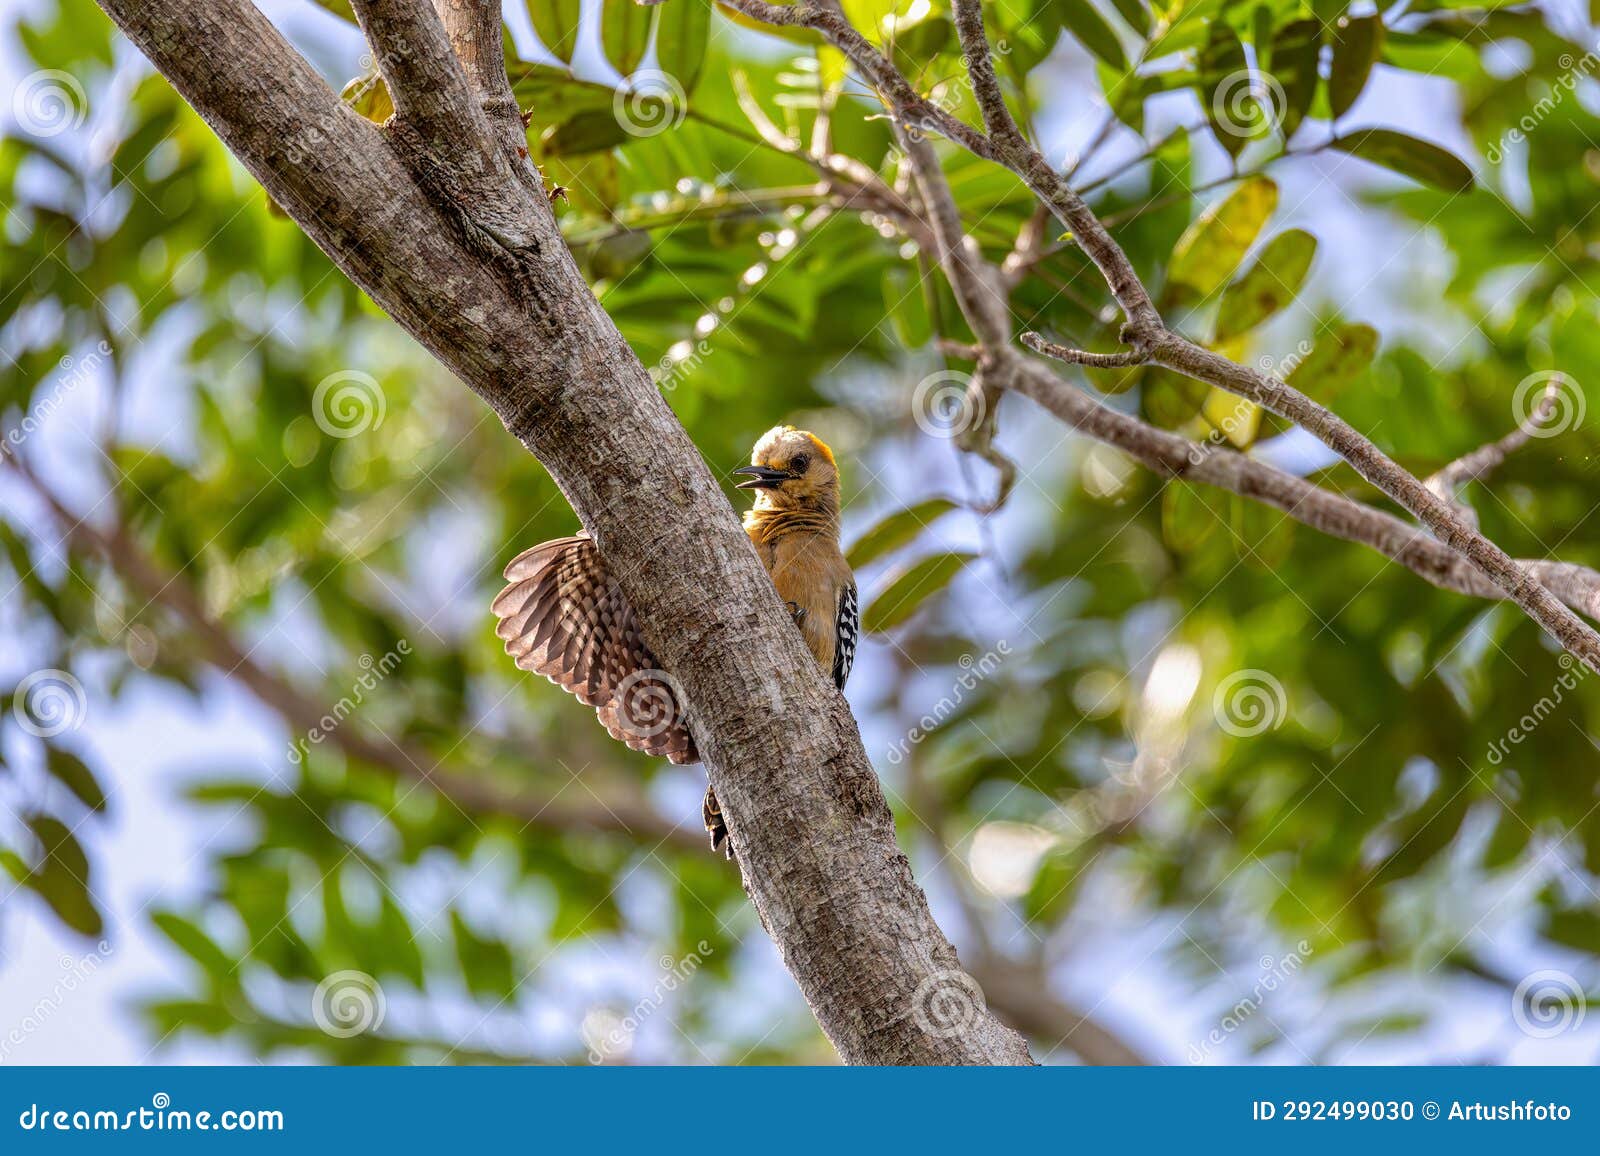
(563, 615)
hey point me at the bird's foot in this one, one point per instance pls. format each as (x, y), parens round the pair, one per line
(716, 828)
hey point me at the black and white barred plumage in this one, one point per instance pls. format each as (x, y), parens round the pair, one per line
(849, 626)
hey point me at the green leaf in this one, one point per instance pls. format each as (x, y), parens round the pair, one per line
(1090, 29)
(1225, 88)
(62, 877)
(485, 963)
(369, 96)
(906, 306)
(1268, 286)
(624, 33)
(918, 42)
(1293, 63)
(197, 945)
(1234, 417)
(1423, 162)
(553, 94)
(61, 848)
(911, 588)
(1169, 399)
(1356, 44)
(1261, 30)
(76, 776)
(588, 132)
(1211, 248)
(683, 28)
(1135, 13)
(399, 943)
(1187, 519)
(556, 22)
(899, 529)
(69, 899)
(1337, 359)
(793, 33)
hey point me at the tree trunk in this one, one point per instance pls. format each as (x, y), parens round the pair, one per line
(439, 218)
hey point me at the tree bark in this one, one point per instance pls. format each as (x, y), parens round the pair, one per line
(446, 227)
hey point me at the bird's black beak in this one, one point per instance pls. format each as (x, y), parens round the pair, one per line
(761, 477)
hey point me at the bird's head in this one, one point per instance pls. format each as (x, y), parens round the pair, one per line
(791, 467)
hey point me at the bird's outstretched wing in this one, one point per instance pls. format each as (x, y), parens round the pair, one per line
(563, 616)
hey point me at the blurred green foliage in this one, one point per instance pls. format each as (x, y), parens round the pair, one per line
(1126, 603)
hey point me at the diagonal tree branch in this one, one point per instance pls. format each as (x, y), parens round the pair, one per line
(489, 288)
(1148, 335)
(1484, 460)
(1001, 368)
(1334, 514)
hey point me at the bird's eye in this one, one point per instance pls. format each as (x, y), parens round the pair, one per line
(800, 464)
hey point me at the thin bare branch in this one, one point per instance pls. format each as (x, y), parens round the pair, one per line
(1082, 356)
(904, 100)
(1149, 336)
(1321, 509)
(979, 289)
(1484, 460)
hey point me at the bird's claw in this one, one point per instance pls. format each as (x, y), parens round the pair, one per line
(797, 612)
